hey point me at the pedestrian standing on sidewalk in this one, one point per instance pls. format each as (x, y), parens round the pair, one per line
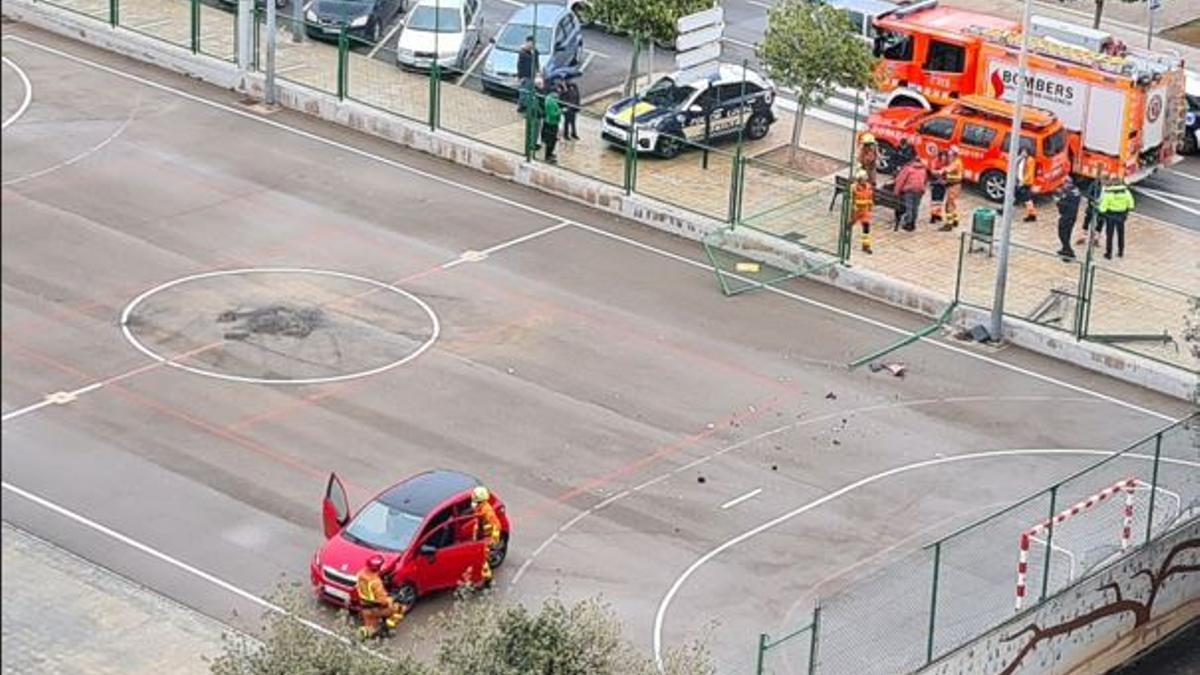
(937, 186)
(1026, 170)
(1116, 201)
(569, 96)
(551, 117)
(525, 68)
(910, 185)
(1067, 200)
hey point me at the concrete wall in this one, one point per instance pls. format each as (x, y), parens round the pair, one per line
(1100, 622)
(1100, 358)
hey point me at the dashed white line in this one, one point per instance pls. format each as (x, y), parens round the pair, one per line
(738, 500)
(77, 158)
(587, 61)
(28, 98)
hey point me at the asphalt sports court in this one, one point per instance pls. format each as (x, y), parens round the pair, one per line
(207, 309)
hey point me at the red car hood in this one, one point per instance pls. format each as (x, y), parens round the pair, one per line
(349, 558)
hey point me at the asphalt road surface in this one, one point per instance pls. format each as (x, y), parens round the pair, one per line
(586, 368)
(1173, 195)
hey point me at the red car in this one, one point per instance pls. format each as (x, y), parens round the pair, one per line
(425, 529)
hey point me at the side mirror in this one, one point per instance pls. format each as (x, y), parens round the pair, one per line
(695, 109)
(429, 551)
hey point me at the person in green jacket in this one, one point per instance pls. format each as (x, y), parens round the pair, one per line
(551, 118)
(1116, 201)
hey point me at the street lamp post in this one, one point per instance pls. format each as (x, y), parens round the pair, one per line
(1010, 183)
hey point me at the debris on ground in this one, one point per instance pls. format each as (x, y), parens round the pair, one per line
(774, 467)
(896, 368)
(831, 396)
(701, 479)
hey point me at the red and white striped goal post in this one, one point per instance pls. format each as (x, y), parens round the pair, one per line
(1127, 486)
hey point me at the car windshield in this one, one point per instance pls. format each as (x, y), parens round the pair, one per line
(383, 527)
(434, 20)
(1055, 143)
(514, 34)
(665, 94)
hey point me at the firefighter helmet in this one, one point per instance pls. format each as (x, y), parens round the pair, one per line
(375, 563)
(480, 494)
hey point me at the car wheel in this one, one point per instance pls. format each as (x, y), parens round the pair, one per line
(758, 126)
(497, 554)
(406, 595)
(669, 146)
(992, 182)
(887, 159)
(1190, 143)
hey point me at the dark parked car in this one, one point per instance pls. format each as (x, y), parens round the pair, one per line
(1191, 135)
(365, 19)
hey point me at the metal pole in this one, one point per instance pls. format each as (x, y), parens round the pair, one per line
(814, 644)
(297, 20)
(1150, 22)
(1010, 183)
(1153, 485)
(245, 36)
(1049, 542)
(933, 596)
(271, 36)
(762, 648)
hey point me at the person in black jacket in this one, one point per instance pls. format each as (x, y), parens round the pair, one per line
(525, 68)
(568, 93)
(1067, 199)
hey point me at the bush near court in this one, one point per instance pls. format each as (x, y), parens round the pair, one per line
(479, 635)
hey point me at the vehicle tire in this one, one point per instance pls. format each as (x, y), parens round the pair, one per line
(758, 126)
(888, 158)
(1189, 144)
(992, 184)
(406, 595)
(498, 554)
(669, 147)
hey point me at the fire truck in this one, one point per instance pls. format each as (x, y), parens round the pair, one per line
(1124, 109)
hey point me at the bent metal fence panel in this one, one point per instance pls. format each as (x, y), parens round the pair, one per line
(1141, 316)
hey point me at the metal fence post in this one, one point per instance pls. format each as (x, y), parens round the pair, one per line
(195, 19)
(631, 160)
(1049, 542)
(734, 187)
(1153, 485)
(933, 599)
(342, 59)
(435, 95)
(814, 644)
(1091, 285)
(762, 648)
(962, 246)
(257, 38)
(114, 13)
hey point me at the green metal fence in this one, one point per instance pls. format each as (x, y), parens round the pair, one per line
(940, 597)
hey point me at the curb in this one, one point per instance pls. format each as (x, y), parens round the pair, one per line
(1172, 381)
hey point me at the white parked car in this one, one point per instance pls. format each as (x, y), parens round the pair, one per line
(443, 30)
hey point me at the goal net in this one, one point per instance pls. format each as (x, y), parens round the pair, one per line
(1090, 533)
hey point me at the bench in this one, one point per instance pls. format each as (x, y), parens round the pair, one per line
(883, 198)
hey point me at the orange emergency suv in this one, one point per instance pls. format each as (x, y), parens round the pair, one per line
(980, 128)
(1123, 108)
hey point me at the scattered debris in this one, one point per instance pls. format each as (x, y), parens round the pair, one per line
(701, 479)
(836, 442)
(774, 467)
(511, 371)
(896, 368)
(710, 425)
(282, 320)
(831, 396)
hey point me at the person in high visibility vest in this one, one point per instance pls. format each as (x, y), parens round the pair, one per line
(863, 196)
(1026, 170)
(953, 174)
(1116, 201)
(937, 186)
(487, 527)
(868, 156)
(376, 603)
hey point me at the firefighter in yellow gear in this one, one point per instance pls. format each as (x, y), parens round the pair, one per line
(868, 155)
(376, 603)
(1026, 169)
(953, 173)
(487, 527)
(863, 196)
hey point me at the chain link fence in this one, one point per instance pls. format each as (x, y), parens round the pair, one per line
(941, 597)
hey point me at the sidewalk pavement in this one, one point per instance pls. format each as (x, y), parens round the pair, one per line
(65, 615)
(776, 199)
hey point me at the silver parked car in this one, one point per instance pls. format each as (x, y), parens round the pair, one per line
(445, 31)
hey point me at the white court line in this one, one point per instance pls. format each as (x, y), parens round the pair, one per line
(757, 3)
(587, 61)
(28, 92)
(384, 40)
(738, 500)
(77, 158)
(1159, 196)
(660, 615)
(1184, 174)
(174, 562)
(514, 3)
(288, 69)
(589, 228)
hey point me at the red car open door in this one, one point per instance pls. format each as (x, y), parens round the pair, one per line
(335, 510)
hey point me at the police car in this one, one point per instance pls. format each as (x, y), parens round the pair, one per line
(681, 108)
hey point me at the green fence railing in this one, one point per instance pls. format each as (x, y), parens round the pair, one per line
(940, 597)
